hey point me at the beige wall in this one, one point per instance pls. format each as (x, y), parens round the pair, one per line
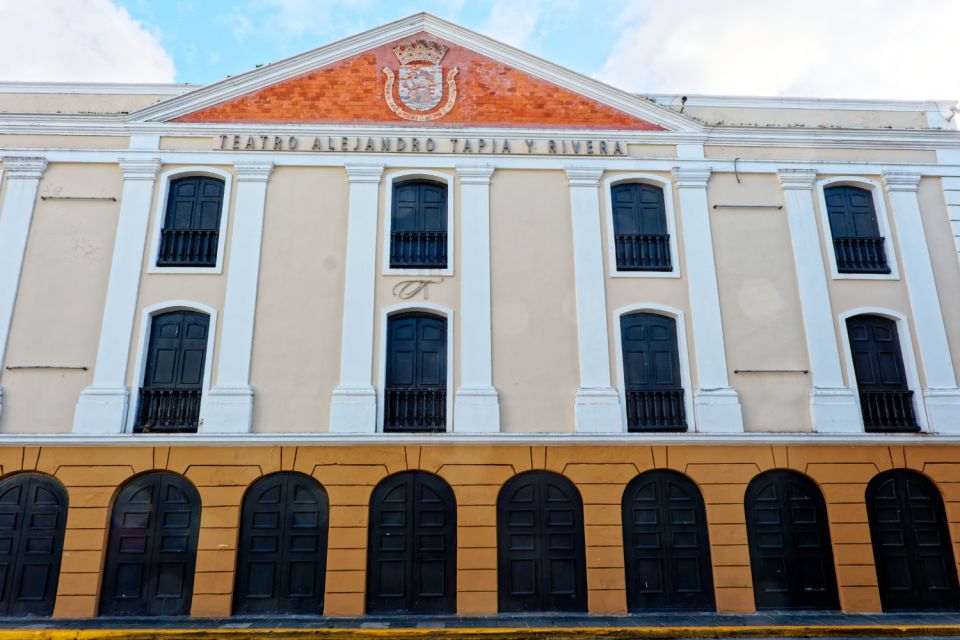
(63, 142)
(845, 118)
(535, 365)
(56, 321)
(78, 102)
(815, 153)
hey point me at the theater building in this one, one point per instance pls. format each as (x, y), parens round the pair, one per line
(419, 323)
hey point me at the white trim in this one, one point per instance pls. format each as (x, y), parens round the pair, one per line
(432, 176)
(682, 351)
(883, 222)
(673, 100)
(666, 186)
(143, 344)
(905, 336)
(182, 172)
(115, 88)
(404, 307)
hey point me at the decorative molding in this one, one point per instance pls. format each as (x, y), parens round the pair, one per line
(252, 171)
(671, 215)
(110, 88)
(24, 168)
(479, 174)
(901, 180)
(689, 178)
(583, 176)
(371, 173)
(797, 179)
(139, 169)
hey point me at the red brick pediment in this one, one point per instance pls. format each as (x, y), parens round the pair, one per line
(475, 90)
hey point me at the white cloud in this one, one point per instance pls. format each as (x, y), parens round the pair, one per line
(72, 41)
(823, 48)
(514, 23)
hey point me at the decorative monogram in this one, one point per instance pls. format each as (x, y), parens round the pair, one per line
(421, 81)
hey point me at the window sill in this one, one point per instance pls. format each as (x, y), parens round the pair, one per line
(210, 271)
(674, 273)
(417, 271)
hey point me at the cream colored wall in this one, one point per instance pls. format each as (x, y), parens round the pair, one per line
(652, 150)
(535, 366)
(943, 256)
(845, 118)
(75, 102)
(59, 306)
(63, 142)
(158, 288)
(187, 143)
(823, 154)
(760, 303)
(296, 346)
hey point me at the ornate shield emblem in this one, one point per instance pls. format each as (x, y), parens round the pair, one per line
(421, 84)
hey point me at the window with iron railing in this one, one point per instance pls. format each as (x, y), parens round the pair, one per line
(191, 226)
(655, 410)
(415, 391)
(418, 225)
(641, 239)
(858, 246)
(408, 409)
(651, 373)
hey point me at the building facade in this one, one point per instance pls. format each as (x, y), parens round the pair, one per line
(417, 322)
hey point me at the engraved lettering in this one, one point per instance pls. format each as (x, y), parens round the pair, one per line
(551, 146)
(454, 141)
(369, 146)
(429, 145)
(250, 144)
(236, 143)
(467, 147)
(385, 144)
(576, 145)
(223, 142)
(603, 147)
(530, 144)
(343, 143)
(401, 144)
(506, 147)
(356, 146)
(263, 142)
(330, 146)
(277, 143)
(617, 149)
(316, 144)
(481, 145)
(415, 144)
(293, 143)
(590, 147)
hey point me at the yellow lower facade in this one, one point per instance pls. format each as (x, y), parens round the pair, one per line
(221, 474)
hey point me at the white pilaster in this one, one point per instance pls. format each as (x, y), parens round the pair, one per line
(833, 405)
(228, 407)
(477, 407)
(102, 407)
(353, 408)
(23, 180)
(942, 397)
(716, 403)
(597, 404)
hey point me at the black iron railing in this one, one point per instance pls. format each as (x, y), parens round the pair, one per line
(188, 248)
(643, 252)
(860, 255)
(424, 249)
(656, 411)
(168, 410)
(888, 411)
(414, 409)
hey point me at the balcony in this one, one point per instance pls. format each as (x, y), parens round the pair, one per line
(168, 411)
(418, 249)
(188, 248)
(860, 255)
(414, 410)
(656, 411)
(888, 411)
(643, 252)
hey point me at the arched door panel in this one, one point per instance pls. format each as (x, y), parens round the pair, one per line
(911, 543)
(665, 543)
(412, 547)
(282, 554)
(152, 550)
(789, 538)
(33, 515)
(540, 545)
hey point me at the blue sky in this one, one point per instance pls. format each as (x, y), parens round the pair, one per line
(894, 49)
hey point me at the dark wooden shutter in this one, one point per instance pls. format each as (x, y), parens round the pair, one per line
(33, 515)
(412, 548)
(282, 554)
(651, 373)
(886, 400)
(911, 543)
(418, 227)
(192, 222)
(858, 246)
(790, 553)
(415, 396)
(640, 228)
(173, 377)
(152, 550)
(540, 546)
(665, 543)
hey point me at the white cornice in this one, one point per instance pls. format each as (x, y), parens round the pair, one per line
(674, 101)
(422, 22)
(109, 88)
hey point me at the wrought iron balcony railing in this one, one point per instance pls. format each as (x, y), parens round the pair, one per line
(643, 252)
(888, 411)
(188, 248)
(860, 255)
(418, 249)
(420, 410)
(656, 411)
(168, 410)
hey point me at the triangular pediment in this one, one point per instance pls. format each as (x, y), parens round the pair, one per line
(420, 72)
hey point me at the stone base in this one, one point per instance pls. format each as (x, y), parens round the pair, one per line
(353, 410)
(101, 410)
(597, 410)
(718, 411)
(835, 410)
(476, 410)
(943, 410)
(227, 410)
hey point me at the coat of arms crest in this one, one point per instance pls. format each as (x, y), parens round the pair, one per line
(421, 82)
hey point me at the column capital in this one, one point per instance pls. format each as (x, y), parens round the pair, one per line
(583, 176)
(364, 172)
(24, 168)
(688, 178)
(140, 169)
(252, 171)
(901, 180)
(797, 178)
(475, 173)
